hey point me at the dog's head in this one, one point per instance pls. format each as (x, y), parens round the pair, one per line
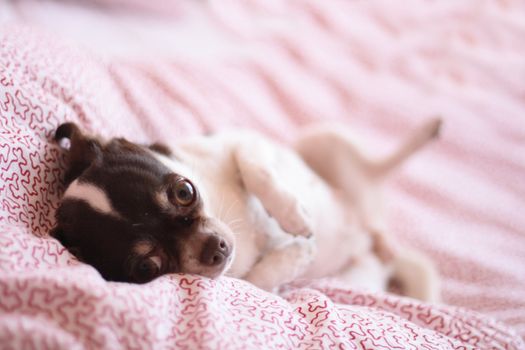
(132, 217)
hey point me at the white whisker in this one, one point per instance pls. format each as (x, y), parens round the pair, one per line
(235, 224)
(220, 209)
(231, 207)
(234, 221)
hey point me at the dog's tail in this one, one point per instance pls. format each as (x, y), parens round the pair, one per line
(414, 275)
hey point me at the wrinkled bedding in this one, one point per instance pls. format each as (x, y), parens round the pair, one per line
(194, 67)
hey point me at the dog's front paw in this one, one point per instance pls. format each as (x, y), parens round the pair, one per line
(296, 221)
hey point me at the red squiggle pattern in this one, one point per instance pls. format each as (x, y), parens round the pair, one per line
(48, 300)
(58, 303)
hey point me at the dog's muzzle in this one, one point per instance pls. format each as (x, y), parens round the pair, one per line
(215, 252)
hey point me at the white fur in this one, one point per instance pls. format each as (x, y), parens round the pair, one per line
(92, 195)
(311, 211)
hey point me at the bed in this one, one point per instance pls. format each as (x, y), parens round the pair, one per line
(158, 70)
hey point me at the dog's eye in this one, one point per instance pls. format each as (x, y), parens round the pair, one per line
(182, 193)
(145, 270)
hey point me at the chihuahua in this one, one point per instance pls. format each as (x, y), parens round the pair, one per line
(239, 204)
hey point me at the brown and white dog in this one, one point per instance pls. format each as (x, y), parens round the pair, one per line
(237, 204)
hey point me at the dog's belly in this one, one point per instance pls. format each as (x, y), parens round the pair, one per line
(337, 230)
(337, 248)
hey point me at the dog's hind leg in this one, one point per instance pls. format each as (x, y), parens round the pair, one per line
(426, 132)
(330, 151)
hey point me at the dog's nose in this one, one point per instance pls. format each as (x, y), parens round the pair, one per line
(215, 251)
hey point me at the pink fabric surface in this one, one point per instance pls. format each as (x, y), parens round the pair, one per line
(375, 66)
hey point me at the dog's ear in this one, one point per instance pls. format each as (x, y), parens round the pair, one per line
(160, 148)
(82, 150)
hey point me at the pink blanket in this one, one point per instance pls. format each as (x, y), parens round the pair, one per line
(273, 66)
